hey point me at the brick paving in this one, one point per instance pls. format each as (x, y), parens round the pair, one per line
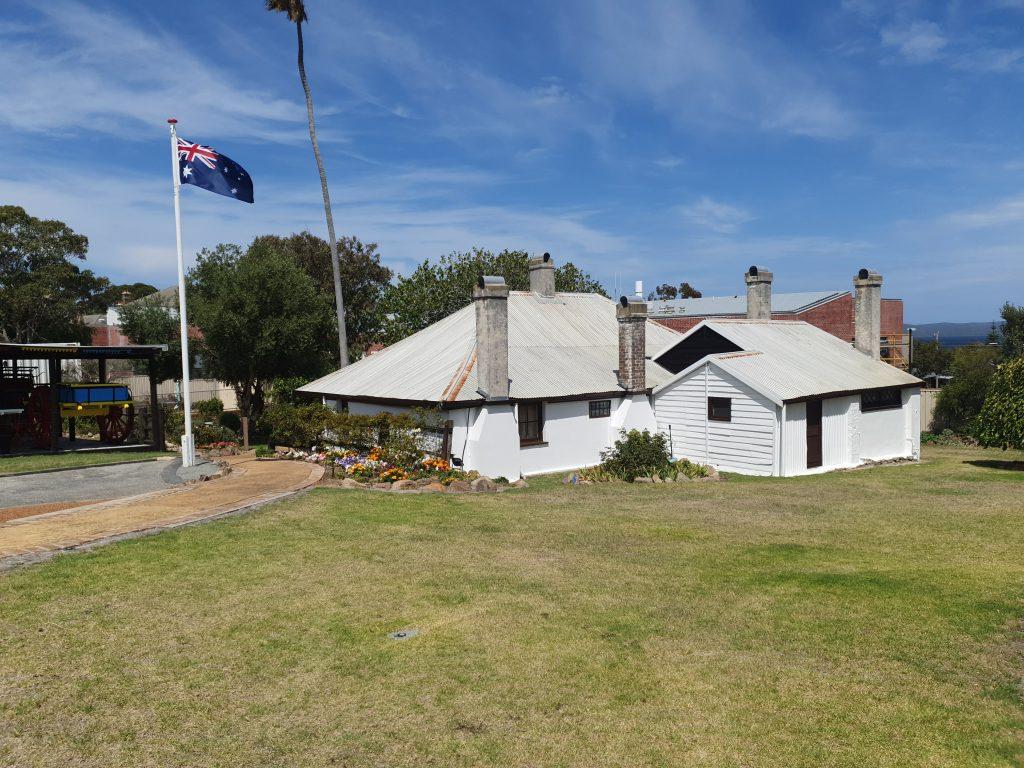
(249, 483)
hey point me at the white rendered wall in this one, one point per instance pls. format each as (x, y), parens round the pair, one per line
(572, 439)
(746, 444)
(368, 409)
(492, 445)
(884, 434)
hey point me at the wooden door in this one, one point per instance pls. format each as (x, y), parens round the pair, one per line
(813, 433)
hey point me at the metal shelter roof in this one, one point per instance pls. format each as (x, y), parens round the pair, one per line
(559, 346)
(788, 360)
(737, 305)
(60, 351)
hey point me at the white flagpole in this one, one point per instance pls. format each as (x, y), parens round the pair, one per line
(188, 450)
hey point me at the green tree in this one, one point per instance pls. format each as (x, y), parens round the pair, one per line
(261, 319)
(113, 295)
(666, 292)
(147, 321)
(1011, 332)
(43, 292)
(296, 12)
(930, 357)
(1001, 421)
(364, 280)
(960, 401)
(435, 290)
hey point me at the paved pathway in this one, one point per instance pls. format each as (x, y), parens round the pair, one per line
(79, 485)
(249, 483)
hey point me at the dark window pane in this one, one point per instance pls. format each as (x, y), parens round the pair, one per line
(531, 425)
(881, 399)
(720, 408)
(600, 409)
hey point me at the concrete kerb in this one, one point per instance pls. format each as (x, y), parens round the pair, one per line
(15, 561)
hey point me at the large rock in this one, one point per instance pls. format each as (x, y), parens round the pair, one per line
(520, 483)
(423, 482)
(483, 484)
(381, 486)
(403, 485)
(349, 482)
(643, 480)
(434, 487)
(459, 486)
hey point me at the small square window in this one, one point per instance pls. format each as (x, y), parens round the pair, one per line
(600, 409)
(720, 408)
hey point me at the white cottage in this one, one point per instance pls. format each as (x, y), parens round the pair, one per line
(538, 381)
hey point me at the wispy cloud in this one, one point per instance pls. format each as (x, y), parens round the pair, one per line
(997, 214)
(918, 42)
(700, 63)
(715, 216)
(84, 68)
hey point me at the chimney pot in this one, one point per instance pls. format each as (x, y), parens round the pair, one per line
(490, 298)
(631, 314)
(759, 293)
(867, 313)
(542, 275)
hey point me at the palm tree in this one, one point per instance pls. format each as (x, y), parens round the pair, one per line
(296, 11)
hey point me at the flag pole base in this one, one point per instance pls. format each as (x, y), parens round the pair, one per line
(188, 451)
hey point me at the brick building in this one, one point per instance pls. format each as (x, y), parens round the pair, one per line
(831, 311)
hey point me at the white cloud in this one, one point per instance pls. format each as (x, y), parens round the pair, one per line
(998, 214)
(87, 68)
(718, 217)
(703, 63)
(669, 162)
(918, 42)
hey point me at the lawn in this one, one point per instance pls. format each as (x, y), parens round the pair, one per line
(866, 618)
(45, 461)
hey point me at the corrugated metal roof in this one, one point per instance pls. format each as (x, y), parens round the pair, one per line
(796, 360)
(737, 305)
(558, 347)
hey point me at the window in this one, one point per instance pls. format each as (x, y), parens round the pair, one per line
(720, 408)
(600, 409)
(881, 399)
(531, 423)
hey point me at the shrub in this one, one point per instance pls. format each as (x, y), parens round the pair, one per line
(174, 423)
(298, 426)
(262, 452)
(282, 391)
(205, 434)
(949, 438)
(1001, 421)
(231, 420)
(692, 469)
(961, 399)
(208, 410)
(638, 454)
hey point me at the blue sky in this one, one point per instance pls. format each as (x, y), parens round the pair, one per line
(662, 141)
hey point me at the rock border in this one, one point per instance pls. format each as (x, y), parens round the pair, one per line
(425, 485)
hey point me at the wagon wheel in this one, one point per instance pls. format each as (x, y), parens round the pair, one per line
(117, 424)
(35, 420)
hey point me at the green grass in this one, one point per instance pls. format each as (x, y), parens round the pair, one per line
(867, 618)
(45, 461)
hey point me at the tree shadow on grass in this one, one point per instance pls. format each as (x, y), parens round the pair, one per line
(1012, 466)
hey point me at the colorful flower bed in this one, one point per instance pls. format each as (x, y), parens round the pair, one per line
(373, 466)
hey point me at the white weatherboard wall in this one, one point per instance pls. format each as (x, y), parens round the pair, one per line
(572, 439)
(894, 432)
(745, 444)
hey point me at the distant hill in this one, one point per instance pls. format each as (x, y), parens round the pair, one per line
(953, 334)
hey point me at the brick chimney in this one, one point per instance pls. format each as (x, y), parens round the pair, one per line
(490, 298)
(632, 316)
(759, 293)
(867, 313)
(542, 275)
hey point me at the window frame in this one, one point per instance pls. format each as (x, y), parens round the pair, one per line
(889, 399)
(712, 401)
(521, 407)
(604, 407)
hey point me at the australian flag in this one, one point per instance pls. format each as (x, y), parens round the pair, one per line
(211, 170)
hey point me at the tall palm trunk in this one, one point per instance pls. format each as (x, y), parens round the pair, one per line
(339, 300)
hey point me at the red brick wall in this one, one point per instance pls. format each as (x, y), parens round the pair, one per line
(835, 316)
(892, 317)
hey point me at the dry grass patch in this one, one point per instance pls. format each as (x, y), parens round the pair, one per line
(851, 619)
